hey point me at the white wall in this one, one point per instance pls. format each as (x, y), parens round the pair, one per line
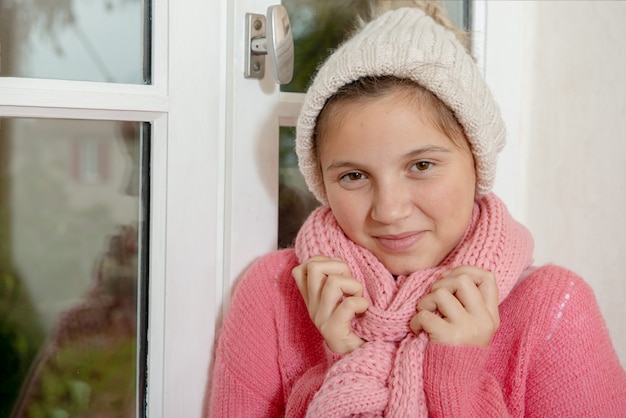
(557, 68)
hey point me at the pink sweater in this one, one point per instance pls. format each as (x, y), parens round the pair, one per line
(551, 357)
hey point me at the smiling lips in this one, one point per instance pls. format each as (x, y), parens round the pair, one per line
(401, 242)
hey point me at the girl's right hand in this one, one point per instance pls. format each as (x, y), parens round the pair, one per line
(333, 297)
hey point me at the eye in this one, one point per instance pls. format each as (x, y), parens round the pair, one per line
(353, 176)
(421, 166)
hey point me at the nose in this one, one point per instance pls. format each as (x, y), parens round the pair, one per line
(392, 202)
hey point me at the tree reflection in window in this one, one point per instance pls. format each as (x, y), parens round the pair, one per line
(71, 341)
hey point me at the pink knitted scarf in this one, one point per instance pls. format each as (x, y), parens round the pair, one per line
(385, 375)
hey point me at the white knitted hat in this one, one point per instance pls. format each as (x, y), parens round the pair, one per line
(406, 43)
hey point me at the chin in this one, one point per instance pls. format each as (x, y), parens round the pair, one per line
(405, 269)
(408, 264)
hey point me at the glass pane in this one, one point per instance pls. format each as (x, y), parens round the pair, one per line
(89, 40)
(295, 202)
(319, 26)
(72, 278)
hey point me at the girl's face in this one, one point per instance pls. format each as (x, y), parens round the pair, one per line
(397, 185)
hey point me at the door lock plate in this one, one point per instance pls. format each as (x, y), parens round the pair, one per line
(255, 58)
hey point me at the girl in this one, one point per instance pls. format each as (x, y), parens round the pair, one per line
(411, 291)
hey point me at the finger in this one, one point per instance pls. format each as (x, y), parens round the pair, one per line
(489, 289)
(311, 276)
(349, 308)
(338, 324)
(337, 331)
(318, 271)
(462, 287)
(299, 275)
(322, 265)
(429, 322)
(335, 288)
(415, 324)
(478, 275)
(470, 277)
(443, 301)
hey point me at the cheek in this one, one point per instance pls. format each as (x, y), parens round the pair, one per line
(349, 211)
(452, 201)
(461, 209)
(462, 184)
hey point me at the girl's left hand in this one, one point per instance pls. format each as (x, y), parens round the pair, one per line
(461, 309)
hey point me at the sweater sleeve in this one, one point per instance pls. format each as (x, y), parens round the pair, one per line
(575, 370)
(560, 359)
(457, 383)
(246, 380)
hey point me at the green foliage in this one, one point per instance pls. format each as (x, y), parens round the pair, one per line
(20, 333)
(319, 27)
(56, 243)
(95, 374)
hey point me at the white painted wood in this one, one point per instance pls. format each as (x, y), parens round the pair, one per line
(157, 273)
(196, 125)
(186, 106)
(254, 113)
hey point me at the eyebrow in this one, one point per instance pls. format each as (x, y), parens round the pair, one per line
(409, 155)
(430, 148)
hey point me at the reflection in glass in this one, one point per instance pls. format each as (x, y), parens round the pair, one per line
(295, 201)
(319, 26)
(89, 40)
(72, 231)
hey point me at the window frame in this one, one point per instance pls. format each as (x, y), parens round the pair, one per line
(188, 127)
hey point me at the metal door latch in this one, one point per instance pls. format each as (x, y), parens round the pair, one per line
(273, 39)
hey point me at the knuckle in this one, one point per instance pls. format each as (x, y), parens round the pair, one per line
(422, 316)
(489, 277)
(465, 282)
(296, 272)
(314, 268)
(347, 304)
(350, 304)
(332, 285)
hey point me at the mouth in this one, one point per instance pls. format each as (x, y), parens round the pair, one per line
(400, 242)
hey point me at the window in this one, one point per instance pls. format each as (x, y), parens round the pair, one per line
(74, 201)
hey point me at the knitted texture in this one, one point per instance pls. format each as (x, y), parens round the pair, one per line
(551, 357)
(385, 375)
(406, 43)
